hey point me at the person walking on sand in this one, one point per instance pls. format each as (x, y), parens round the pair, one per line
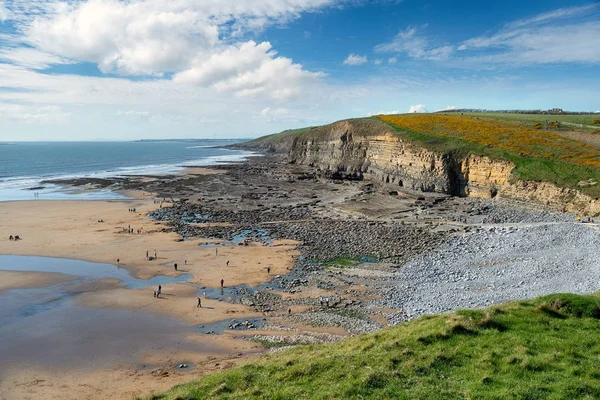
(227, 263)
(147, 254)
(118, 260)
(268, 270)
(184, 262)
(222, 282)
(155, 293)
(175, 266)
(289, 311)
(159, 289)
(199, 303)
(216, 251)
(155, 254)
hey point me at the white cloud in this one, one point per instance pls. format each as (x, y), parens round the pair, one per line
(565, 35)
(4, 13)
(150, 37)
(32, 114)
(30, 58)
(379, 61)
(554, 15)
(392, 60)
(415, 46)
(417, 108)
(384, 113)
(138, 115)
(196, 42)
(550, 44)
(275, 115)
(249, 69)
(447, 108)
(355, 59)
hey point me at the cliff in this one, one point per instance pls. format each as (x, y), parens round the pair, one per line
(370, 149)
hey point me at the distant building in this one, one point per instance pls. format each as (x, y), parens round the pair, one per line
(555, 111)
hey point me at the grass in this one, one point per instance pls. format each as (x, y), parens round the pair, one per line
(547, 348)
(532, 119)
(538, 155)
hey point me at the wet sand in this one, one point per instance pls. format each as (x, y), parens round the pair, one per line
(27, 280)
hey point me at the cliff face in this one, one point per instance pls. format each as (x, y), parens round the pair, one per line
(367, 149)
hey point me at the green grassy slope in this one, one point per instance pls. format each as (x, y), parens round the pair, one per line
(548, 348)
(532, 119)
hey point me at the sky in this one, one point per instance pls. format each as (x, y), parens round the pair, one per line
(150, 69)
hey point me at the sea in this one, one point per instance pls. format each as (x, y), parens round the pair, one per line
(25, 165)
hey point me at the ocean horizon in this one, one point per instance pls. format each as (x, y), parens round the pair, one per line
(24, 166)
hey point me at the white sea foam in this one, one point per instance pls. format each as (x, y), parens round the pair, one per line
(25, 182)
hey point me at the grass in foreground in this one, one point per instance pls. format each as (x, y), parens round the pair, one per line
(547, 348)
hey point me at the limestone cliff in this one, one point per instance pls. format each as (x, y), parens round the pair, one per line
(369, 149)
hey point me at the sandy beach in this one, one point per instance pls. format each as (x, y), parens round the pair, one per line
(72, 229)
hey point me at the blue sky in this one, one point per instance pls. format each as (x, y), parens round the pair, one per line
(121, 70)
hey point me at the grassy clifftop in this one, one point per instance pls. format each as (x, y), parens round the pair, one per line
(547, 348)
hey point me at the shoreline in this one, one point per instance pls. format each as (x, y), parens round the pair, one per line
(306, 275)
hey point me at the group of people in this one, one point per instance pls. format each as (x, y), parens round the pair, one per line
(16, 237)
(132, 210)
(129, 229)
(150, 258)
(584, 220)
(158, 292)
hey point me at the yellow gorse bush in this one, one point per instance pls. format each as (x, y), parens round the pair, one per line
(516, 139)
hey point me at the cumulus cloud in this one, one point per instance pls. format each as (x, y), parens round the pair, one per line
(195, 41)
(151, 37)
(417, 108)
(378, 61)
(249, 69)
(355, 59)
(414, 45)
(392, 60)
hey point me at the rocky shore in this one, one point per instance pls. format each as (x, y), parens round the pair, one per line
(374, 255)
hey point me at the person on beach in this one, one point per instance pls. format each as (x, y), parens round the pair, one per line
(118, 260)
(184, 262)
(147, 253)
(321, 300)
(199, 303)
(159, 289)
(268, 270)
(155, 293)
(216, 251)
(227, 263)
(175, 266)
(222, 282)
(10, 237)
(289, 311)
(155, 254)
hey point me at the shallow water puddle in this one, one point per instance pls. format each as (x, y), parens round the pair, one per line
(44, 326)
